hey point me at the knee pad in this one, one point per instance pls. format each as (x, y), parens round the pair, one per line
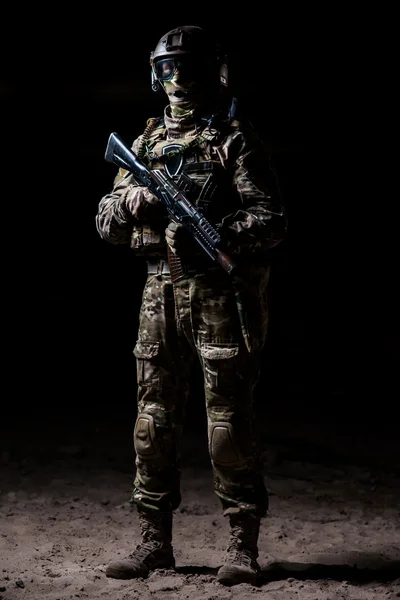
(144, 437)
(223, 448)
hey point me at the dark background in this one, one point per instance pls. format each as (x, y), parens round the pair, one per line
(71, 301)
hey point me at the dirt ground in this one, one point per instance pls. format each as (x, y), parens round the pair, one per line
(332, 533)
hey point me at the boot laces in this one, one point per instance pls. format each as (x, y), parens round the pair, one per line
(238, 551)
(150, 541)
(144, 549)
(241, 557)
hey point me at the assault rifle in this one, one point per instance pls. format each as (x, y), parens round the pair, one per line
(178, 206)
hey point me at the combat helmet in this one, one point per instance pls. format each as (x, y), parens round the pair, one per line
(203, 54)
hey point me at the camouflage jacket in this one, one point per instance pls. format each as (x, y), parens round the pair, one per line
(226, 172)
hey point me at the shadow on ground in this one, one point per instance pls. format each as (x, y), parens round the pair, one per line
(380, 570)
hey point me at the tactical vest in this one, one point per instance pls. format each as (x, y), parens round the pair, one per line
(193, 162)
(196, 164)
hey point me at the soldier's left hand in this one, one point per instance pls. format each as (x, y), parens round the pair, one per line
(179, 239)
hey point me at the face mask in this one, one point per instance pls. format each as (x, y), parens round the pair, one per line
(180, 80)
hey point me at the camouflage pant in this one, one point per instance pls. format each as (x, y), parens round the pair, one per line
(195, 319)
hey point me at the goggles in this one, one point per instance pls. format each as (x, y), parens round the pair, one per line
(166, 68)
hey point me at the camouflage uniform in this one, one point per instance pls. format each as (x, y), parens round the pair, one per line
(204, 316)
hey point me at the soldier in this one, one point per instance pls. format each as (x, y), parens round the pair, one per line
(191, 309)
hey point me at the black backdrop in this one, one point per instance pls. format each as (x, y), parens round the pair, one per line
(71, 301)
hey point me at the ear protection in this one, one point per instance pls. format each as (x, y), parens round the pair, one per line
(223, 73)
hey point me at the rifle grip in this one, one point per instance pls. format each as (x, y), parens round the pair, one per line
(225, 261)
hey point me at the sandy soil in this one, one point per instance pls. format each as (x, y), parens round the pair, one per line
(333, 530)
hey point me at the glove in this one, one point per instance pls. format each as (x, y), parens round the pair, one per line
(142, 204)
(179, 240)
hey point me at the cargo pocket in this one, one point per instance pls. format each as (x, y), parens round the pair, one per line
(219, 365)
(148, 373)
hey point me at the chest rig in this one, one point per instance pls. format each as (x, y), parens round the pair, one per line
(190, 159)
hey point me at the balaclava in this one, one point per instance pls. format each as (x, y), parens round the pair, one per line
(185, 65)
(185, 97)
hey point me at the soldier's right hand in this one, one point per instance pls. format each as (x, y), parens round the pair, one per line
(142, 204)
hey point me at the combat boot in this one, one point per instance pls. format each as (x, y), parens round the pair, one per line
(240, 565)
(154, 551)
